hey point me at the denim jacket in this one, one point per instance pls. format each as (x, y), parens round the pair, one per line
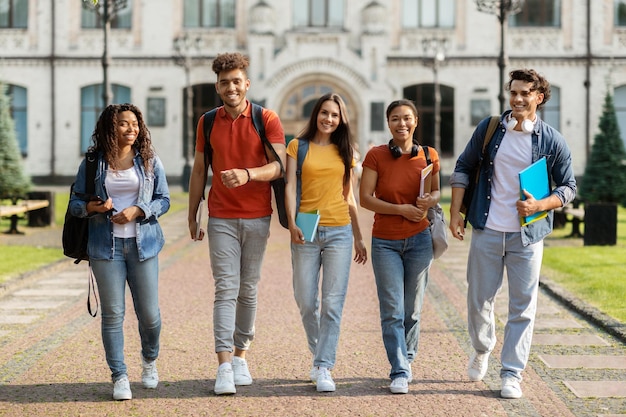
(153, 199)
(546, 141)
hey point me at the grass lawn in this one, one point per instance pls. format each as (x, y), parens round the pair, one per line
(16, 260)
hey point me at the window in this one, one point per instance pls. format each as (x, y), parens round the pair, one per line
(209, 14)
(428, 13)
(546, 13)
(620, 12)
(551, 111)
(377, 116)
(91, 107)
(18, 109)
(318, 13)
(620, 110)
(423, 95)
(122, 16)
(14, 14)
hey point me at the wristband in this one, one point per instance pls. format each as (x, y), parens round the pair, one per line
(248, 172)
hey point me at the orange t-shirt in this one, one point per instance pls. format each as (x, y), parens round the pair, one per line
(236, 144)
(398, 183)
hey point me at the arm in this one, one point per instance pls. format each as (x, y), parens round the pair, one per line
(360, 251)
(237, 177)
(369, 201)
(457, 224)
(430, 199)
(196, 192)
(290, 201)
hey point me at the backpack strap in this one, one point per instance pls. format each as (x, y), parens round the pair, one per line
(491, 129)
(303, 148)
(209, 118)
(427, 155)
(259, 125)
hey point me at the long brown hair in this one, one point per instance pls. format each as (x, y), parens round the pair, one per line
(340, 137)
(104, 136)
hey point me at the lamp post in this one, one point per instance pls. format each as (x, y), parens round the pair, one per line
(502, 9)
(183, 46)
(106, 11)
(436, 47)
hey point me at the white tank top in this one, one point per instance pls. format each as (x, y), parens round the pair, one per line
(123, 188)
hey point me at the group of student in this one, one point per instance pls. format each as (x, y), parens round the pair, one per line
(125, 237)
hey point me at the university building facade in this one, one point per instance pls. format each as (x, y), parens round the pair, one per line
(371, 52)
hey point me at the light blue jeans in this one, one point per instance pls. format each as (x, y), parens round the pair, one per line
(490, 253)
(236, 248)
(143, 281)
(331, 250)
(401, 269)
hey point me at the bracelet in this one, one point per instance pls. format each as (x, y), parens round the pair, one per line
(248, 172)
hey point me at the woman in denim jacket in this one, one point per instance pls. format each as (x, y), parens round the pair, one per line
(124, 235)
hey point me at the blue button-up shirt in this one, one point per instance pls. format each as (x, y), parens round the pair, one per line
(153, 199)
(546, 141)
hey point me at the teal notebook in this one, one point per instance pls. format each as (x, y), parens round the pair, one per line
(534, 179)
(308, 222)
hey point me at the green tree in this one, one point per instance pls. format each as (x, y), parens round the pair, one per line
(13, 181)
(605, 174)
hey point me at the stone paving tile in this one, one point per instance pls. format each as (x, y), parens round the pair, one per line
(584, 361)
(47, 292)
(569, 340)
(19, 304)
(598, 389)
(556, 323)
(17, 319)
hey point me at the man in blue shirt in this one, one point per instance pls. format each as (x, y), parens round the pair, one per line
(498, 239)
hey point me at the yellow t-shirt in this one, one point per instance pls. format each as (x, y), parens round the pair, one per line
(322, 183)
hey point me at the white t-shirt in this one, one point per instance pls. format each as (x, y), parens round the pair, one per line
(514, 154)
(123, 188)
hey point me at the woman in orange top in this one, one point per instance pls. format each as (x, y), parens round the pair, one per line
(401, 243)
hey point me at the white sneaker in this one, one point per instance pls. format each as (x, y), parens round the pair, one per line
(225, 380)
(313, 374)
(510, 388)
(478, 364)
(149, 374)
(399, 385)
(121, 389)
(325, 381)
(241, 373)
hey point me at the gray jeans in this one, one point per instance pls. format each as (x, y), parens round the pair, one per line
(236, 248)
(490, 253)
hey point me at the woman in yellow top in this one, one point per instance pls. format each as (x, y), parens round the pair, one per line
(326, 186)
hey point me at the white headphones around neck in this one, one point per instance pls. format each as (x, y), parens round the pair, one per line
(527, 125)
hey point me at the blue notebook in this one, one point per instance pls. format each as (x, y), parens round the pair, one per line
(534, 179)
(308, 222)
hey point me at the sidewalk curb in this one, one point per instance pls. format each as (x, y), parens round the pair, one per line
(592, 314)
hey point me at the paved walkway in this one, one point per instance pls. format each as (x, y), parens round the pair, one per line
(52, 361)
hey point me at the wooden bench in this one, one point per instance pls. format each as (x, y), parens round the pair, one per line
(23, 207)
(571, 213)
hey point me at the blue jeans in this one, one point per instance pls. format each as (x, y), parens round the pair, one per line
(236, 248)
(490, 253)
(401, 269)
(332, 252)
(143, 281)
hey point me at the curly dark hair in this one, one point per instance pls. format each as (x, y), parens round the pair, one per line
(104, 136)
(342, 137)
(231, 61)
(539, 83)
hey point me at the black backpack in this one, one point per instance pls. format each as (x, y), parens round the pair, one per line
(278, 185)
(76, 229)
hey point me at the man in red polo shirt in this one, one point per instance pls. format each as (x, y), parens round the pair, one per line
(239, 214)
